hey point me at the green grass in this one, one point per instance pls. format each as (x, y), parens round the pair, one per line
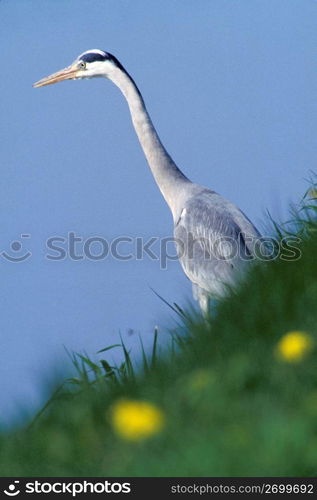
(231, 406)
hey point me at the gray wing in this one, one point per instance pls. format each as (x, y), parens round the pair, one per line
(214, 241)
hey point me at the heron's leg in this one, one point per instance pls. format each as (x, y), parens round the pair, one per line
(204, 301)
(208, 305)
(204, 304)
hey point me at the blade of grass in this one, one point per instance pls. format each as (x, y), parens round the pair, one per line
(154, 348)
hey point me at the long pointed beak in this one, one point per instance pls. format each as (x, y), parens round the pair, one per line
(64, 74)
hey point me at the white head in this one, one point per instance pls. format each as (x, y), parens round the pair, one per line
(90, 64)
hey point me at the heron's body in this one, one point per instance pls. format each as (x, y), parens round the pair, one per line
(214, 239)
(219, 242)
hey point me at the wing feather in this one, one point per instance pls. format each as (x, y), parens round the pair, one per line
(214, 240)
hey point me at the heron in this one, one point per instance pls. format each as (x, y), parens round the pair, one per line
(215, 240)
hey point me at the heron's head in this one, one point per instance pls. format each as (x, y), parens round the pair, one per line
(89, 64)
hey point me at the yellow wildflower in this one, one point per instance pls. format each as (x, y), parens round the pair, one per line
(201, 379)
(294, 346)
(136, 420)
(312, 193)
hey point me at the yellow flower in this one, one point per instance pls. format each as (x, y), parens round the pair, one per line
(294, 346)
(136, 420)
(312, 193)
(201, 379)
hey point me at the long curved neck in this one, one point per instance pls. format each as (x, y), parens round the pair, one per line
(167, 175)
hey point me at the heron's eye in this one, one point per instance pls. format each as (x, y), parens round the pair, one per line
(82, 64)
